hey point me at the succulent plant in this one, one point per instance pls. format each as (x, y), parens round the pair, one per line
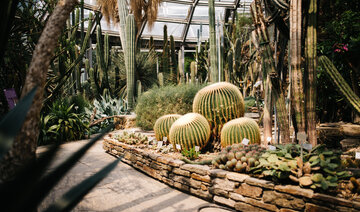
(190, 154)
(163, 124)
(237, 129)
(219, 103)
(238, 157)
(132, 138)
(190, 130)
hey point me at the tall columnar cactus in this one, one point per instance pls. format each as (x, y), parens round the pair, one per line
(189, 131)
(165, 54)
(193, 72)
(219, 103)
(229, 66)
(163, 124)
(181, 68)
(236, 130)
(340, 82)
(138, 88)
(123, 13)
(130, 58)
(214, 76)
(161, 79)
(173, 64)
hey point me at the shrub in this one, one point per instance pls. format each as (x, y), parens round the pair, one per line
(165, 100)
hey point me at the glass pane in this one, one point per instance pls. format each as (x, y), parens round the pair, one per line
(158, 29)
(172, 10)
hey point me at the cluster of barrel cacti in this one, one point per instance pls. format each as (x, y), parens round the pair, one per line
(239, 157)
(131, 138)
(163, 124)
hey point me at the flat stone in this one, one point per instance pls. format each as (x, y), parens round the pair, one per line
(286, 210)
(200, 193)
(176, 163)
(223, 184)
(149, 171)
(283, 200)
(248, 190)
(181, 179)
(236, 176)
(139, 164)
(181, 172)
(237, 197)
(260, 183)
(261, 204)
(348, 143)
(316, 208)
(164, 173)
(195, 183)
(168, 181)
(296, 190)
(334, 200)
(199, 169)
(163, 160)
(218, 173)
(153, 156)
(204, 187)
(224, 201)
(155, 166)
(240, 206)
(181, 186)
(218, 191)
(204, 178)
(351, 130)
(345, 209)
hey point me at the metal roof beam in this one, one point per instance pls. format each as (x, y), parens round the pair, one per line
(202, 3)
(190, 16)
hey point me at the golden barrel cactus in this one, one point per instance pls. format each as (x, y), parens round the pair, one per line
(219, 103)
(163, 124)
(189, 131)
(236, 130)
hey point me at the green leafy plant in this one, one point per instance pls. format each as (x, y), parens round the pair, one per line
(63, 124)
(32, 180)
(191, 154)
(169, 99)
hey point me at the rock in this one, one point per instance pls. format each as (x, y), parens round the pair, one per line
(349, 143)
(236, 177)
(250, 191)
(181, 179)
(237, 197)
(351, 130)
(168, 181)
(195, 183)
(334, 200)
(283, 200)
(199, 169)
(316, 208)
(296, 190)
(261, 204)
(163, 160)
(259, 182)
(204, 178)
(200, 193)
(181, 186)
(240, 206)
(224, 201)
(176, 163)
(223, 184)
(218, 173)
(286, 210)
(181, 172)
(204, 187)
(305, 181)
(218, 191)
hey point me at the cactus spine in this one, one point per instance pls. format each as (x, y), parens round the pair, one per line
(340, 82)
(189, 131)
(163, 124)
(130, 58)
(236, 130)
(214, 76)
(219, 103)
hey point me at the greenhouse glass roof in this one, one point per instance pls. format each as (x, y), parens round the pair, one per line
(186, 20)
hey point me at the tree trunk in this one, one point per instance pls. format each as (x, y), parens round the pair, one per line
(310, 57)
(24, 146)
(297, 87)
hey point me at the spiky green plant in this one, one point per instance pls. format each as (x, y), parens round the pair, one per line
(219, 103)
(236, 130)
(173, 64)
(163, 124)
(189, 131)
(130, 58)
(161, 79)
(214, 76)
(193, 72)
(165, 54)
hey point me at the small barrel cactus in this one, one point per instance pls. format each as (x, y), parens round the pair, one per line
(163, 124)
(219, 103)
(189, 131)
(236, 130)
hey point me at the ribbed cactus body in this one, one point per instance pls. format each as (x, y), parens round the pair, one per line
(214, 76)
(161, 79)
(193, 72)
(219, 103)
(130, 59)
(189, 131)
(163, 124)
(236, 130)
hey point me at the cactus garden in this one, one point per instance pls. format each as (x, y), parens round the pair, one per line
(252, 105)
